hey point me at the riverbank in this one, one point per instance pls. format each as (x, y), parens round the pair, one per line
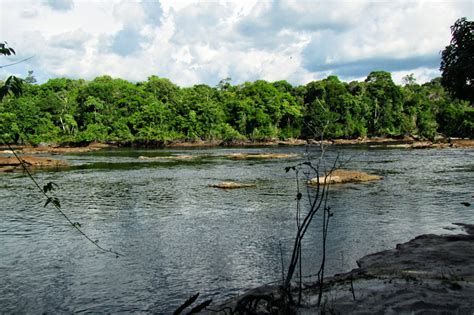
(405, 142)
(402, 143)
(56, 149)
(429, 274)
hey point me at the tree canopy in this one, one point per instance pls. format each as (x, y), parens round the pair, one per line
(157, 110)
(457, 65)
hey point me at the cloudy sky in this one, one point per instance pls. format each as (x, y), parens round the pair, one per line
(193, 42)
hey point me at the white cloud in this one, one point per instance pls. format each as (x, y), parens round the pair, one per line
(29, 13)
(193, 42)
(409, 34)
(73, 40)
(129, 13)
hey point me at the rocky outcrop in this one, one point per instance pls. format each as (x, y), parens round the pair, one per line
(171, 157)
(341, 176)
(449, 143)
(63, 150)
(11, 163)
(260, 156)
(231, 185)
(431, 274)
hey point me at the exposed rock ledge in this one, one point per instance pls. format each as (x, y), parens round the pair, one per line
(431, 274)
(11, 163)
(231, 185)
(64, 150)
(341, 176)
(261, 156)
(170, 157)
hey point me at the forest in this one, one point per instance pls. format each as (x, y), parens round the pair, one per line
(157, 110)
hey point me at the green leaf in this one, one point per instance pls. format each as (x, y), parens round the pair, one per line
(56, 202)
(12, 85)
(49, 187)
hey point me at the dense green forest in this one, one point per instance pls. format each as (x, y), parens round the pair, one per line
(107, 109)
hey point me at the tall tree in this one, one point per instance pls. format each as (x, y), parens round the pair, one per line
(457, 61)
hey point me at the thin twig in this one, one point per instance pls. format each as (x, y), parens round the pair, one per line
(352, 289)
(74, 225)
(282, 264)
(17, 62)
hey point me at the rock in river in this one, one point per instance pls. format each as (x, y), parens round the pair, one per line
(231, 185)
(11, 163)
(170, 157)
(340, 176)
(261, 156)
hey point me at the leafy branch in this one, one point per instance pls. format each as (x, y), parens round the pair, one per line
(14, 85)
(54, 201)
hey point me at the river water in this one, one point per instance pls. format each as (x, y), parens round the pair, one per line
(179, 237)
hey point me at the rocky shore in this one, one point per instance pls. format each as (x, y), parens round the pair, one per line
(431, 274)
(406, 142)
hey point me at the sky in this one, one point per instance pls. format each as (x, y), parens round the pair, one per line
(195, 42)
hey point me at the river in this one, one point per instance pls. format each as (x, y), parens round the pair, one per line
(179, 237)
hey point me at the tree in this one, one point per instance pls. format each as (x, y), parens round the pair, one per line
(457, 61)
(386, 103)
(30, 78)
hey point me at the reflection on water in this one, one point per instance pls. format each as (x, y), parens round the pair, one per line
(180, 236)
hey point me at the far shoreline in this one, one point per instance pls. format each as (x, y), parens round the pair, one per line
(372, 142)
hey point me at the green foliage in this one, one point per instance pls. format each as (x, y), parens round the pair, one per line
(457, 64)
(457, 119)
(108, 109)
(12, 85)
(386, 104)
(5, 50)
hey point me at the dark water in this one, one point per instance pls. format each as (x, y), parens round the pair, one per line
(179, 236)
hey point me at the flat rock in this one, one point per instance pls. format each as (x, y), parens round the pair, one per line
(261, 156)
(431, 274)
(11, 163)
(341, 176)
(171, 157)
(60, 150)
(231, 185)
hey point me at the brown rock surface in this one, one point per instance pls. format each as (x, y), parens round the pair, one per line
(260, 156)
(341, 176)
(231, 185)
(11, 163)
(171, 157)
(61, 150)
